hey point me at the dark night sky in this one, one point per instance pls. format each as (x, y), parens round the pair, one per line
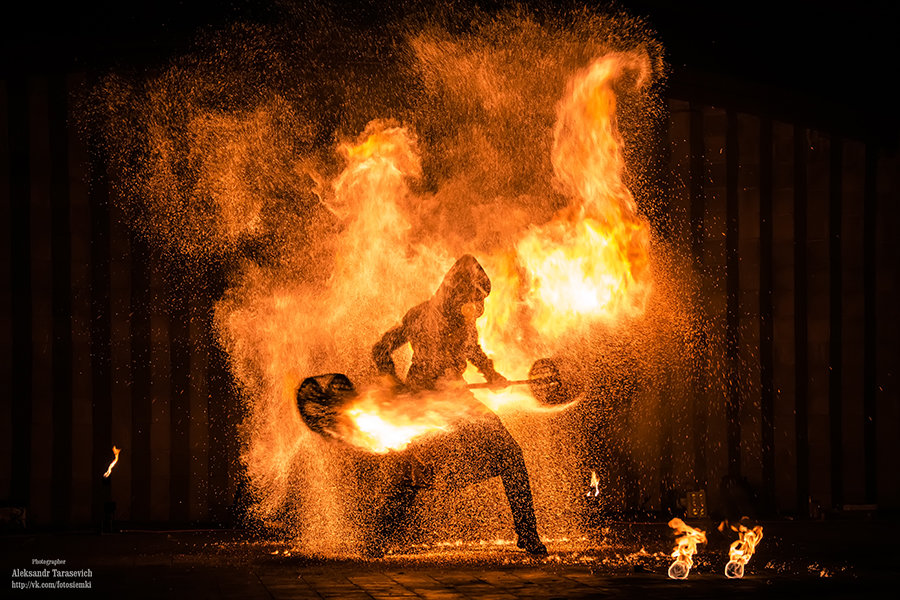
(844, 55)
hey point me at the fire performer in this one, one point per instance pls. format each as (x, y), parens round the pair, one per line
(443, 337)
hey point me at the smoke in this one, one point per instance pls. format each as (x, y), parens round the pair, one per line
(335, 174)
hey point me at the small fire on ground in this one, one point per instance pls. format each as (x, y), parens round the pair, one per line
(685, 548)
(741, 549)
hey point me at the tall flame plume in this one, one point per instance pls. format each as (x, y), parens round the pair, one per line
(590, 262)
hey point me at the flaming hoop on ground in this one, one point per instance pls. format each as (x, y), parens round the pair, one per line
(685, 548)
(741, 549)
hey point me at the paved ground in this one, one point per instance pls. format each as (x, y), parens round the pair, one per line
(795, 560)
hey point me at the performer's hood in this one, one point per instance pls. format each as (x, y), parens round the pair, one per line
(465, 282)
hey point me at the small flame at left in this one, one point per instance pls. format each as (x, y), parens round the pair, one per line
(114, 461)
(595, 485)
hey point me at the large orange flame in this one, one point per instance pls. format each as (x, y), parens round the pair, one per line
(590, 261)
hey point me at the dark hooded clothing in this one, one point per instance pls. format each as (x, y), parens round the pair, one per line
(442, 339)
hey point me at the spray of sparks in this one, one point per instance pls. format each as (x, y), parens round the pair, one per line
(335, 204)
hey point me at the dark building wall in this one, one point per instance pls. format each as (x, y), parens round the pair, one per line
(788, 228)
(791, 229)
(100, 348)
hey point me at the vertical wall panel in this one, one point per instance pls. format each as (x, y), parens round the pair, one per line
(801, 321)
(835, 321)
(80, 218)
(680, 171)
(20, 282)
(748, 307)
(42, 310)
(818, 315)
(783, 349)
(160, 390)
(732, 294)
(766, 315)
(198, 458)
(178, 299)
(714, 292)
(678, 208)
(101, 395)
(222, 418)
(6, 302)
(888, 331)
(870, 335)
(61, 300)
(121, 417)
(853, 326)
(695, 249)
(141, 394)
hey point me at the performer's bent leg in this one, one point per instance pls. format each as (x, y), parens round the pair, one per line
(392, 518)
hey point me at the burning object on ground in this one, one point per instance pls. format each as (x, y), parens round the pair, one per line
(685, 548)
(741, 549)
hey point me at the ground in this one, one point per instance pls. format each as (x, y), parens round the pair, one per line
(822, 559)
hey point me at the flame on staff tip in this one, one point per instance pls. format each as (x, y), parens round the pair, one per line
(380, 421)
(113, 463)
(741, 549)
(685, 548)
(595, 485)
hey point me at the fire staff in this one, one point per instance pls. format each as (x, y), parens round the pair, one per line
(443, 337)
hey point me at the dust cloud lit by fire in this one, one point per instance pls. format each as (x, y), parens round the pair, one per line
(336, 174)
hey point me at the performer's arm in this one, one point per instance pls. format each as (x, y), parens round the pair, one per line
(382, 351)
(485, 365)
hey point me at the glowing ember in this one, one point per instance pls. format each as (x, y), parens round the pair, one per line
(741, 549)
(685, 548)
(595, 485)
(114, 461)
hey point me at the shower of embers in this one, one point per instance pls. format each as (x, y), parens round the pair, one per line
(331, 178)
(339, 194)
